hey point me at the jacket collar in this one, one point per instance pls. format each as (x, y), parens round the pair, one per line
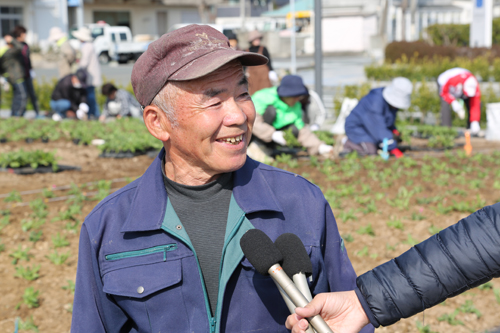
(250, 190)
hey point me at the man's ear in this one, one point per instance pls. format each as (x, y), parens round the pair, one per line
(157, 122)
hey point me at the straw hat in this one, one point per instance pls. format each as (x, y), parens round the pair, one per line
(55, 34)
(398, 93)
(253, 35)
(83, 34)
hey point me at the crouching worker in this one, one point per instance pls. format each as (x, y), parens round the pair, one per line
(119, 103)
(458, 90)
(279, 109)
(372, 120)
(69, 98)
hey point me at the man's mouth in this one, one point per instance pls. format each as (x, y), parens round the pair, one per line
(234, 140)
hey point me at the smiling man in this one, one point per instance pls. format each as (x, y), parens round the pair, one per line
(162, 254)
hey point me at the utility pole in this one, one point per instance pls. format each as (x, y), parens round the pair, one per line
(404, 6)
(318, 50)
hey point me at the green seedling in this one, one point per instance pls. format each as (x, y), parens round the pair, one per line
(348, 238)
(29, 224)
(72, 226)
(347, 215)
(4, 221)
(469, 307)
(390, 247)
(13, 196)
(366, 230)
(373, 255)
(496, 291)
(426, 201)
(379, 196)
(457, 191)
(434, 230)
(71, 213)
(362, 200)
(20, 254)
(58, 258)
(39, 208)
(370, 207)
(475, 184)
(363, 252)
(442, 209)
(402, 200)
(2, 247)
(496, 185)
(365, 189)
(411, 241)
(48, 193)
(314, 161)
(35, 236)
(417, 216)
(28, 325)
(30, 297)
(396, 224)
(103, 189)
(69, 307)
(288, 160)
(70, 286)
(28, 273)
(451, 318)
(59, 241)
(424, 329)
(486, 286)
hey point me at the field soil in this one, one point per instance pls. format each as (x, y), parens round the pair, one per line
(379, 217)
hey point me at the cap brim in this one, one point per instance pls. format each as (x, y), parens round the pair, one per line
(212, 61)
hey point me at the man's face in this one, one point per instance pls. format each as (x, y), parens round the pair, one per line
(215, 116)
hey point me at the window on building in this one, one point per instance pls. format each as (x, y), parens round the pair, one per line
(9, 18)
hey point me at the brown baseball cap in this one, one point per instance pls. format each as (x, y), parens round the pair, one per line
(184, 54)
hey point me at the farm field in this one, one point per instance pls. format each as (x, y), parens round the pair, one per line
(382, 208)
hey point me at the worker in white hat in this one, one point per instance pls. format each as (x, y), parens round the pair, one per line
(90, 63)
(373, 119)
(66, 53)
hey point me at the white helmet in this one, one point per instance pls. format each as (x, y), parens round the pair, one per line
(470, 86)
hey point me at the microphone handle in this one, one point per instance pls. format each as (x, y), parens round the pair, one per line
(290, 305)
(300, 281)
(280, 277)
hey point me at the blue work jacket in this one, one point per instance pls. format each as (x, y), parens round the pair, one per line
(138, 271)
(371, 120)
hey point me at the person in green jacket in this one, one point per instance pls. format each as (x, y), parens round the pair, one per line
(279, 109)
(12, 69)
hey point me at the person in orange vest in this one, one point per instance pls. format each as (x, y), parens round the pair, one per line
(459, 90)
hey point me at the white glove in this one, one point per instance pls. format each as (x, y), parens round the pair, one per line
(324, 149)
(314, 127)
(279, 138)
(56, 117)
(474, 127)
(32, 74)
(273, 77)
(458, 108)
(84, 107)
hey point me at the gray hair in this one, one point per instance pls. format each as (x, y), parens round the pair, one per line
(165, 100)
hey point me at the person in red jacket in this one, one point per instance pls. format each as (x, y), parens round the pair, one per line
(457, 85)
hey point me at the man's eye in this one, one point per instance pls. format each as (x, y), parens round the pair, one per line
(216, 104)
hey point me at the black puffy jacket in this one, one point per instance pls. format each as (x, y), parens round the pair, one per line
(462, 256)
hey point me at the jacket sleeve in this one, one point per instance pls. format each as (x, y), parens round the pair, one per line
(262, 130)
(377, 129)
(445, 93)
(475, 107)
(462, 256)
(93, 310)
(68, 52)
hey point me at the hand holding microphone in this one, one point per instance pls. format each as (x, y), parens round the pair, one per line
(266, 258)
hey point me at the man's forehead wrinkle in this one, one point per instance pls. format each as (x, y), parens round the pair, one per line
(212, 92)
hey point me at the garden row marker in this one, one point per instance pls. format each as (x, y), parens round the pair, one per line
(468, 145)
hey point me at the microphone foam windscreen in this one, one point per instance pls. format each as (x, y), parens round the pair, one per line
(295, 257)
(260, 250)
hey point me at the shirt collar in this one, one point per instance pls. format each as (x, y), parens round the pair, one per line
(250, 190)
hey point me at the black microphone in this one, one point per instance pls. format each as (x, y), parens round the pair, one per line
(296, 261)
(266, 258)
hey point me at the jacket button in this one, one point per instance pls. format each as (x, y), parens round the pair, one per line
(140, 290)
(178, 227)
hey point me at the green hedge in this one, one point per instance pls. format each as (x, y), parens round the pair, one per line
(457, 34)
(415, 69)
(44, 89)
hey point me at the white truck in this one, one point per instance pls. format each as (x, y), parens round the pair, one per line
(116, 43)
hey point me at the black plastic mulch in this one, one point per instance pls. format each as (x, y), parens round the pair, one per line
(29, 170)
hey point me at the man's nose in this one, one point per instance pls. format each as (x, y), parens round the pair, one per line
(235, 114)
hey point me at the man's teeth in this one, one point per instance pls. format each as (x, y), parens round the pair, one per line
(235, 140)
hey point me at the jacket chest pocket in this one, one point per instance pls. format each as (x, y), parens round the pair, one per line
(147, 286)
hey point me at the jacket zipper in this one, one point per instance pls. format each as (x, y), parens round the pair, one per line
(211, 320)
(130, 254)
